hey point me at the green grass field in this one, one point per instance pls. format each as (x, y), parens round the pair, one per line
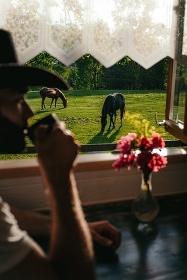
(82, 115)
(83, 112)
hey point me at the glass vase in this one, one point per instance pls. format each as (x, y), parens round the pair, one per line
(145, 207)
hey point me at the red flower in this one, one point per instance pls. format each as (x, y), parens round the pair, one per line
(143, 160)
(157, 141)
(147, 159)
(145, 143)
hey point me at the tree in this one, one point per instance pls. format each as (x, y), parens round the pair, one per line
(89, 73)
(43, 60)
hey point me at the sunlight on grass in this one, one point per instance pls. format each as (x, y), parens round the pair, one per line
(83, 112)
(82, 115)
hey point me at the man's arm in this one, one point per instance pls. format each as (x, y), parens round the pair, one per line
(39, 224)
(35, 223)
(70, 252)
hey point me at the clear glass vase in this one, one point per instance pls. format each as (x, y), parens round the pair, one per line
(145, 207)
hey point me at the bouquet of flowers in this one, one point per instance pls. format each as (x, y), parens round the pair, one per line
(141, 151)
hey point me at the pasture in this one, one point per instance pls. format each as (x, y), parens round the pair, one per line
(83, 112)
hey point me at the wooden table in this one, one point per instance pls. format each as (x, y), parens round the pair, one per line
(162, 255)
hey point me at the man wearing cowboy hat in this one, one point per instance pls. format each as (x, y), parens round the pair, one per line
(70, 253)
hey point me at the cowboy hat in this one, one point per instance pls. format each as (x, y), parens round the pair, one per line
(14, 75)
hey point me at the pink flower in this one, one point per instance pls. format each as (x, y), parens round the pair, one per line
(157, 162)
(126, 142)
(146, 160)
(124, 161)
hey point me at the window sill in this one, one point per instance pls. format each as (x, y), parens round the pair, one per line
(98, 182)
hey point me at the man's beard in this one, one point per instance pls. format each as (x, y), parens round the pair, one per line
(12, 138)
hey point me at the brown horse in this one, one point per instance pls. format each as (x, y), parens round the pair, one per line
(53, 93)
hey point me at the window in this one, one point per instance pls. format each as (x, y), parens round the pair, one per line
(34, 31)
(176, 105)
(144, 30)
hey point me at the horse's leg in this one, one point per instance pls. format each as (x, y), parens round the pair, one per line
(111, 120)
(51, 102)
(121, 115)
(42, 104)
(122, 111)
(55, 101)
(114, 119)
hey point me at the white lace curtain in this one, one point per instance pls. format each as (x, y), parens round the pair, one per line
(144, 30)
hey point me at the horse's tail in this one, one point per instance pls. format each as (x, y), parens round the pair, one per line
(122, 100)
(123, 108)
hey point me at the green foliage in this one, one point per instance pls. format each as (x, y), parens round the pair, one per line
(140, 125)
(46, 61)
(42, 60)
(87, 73)
(127, 74)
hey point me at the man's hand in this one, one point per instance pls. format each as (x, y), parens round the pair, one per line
(105, 234)
(58, 149)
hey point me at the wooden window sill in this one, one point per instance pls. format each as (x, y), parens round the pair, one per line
(97, 181)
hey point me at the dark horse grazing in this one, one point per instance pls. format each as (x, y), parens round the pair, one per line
(112, 103)
(53, 93)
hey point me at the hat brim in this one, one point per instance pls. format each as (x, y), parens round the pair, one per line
(24, 76)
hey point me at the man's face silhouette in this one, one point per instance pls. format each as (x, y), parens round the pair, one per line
(14, 113)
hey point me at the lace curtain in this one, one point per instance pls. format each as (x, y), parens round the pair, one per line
(144, 30)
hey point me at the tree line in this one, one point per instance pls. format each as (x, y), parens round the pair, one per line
(88, 73)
